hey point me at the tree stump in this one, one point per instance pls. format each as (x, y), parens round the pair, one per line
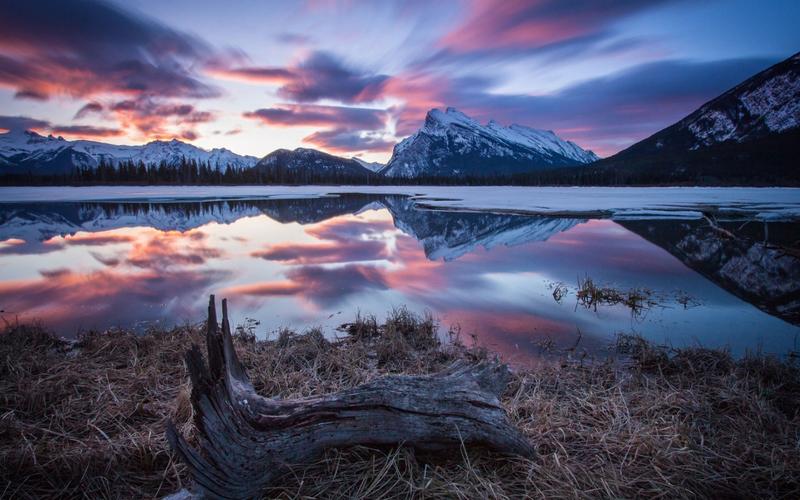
(247, 441)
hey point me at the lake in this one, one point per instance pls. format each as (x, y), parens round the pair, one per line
(727, 276)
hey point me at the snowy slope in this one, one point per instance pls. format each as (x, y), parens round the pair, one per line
(767, 103)
(448, 235)
(371, 166)
(31, 151)
(39, 223)
(451, 143)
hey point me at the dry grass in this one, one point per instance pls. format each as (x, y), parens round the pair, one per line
(89, 420)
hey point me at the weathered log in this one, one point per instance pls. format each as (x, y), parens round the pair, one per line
(246, 441)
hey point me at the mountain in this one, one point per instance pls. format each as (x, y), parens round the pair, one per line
(371, 166)
(307, 166)
(450, 235)
(755, 262)
(26, 151)
(443, 235)
(748, 134)
(452, 144)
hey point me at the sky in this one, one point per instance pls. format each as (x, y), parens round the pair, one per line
(354, 77)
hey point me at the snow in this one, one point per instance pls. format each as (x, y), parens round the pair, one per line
(438, 247)
(672, 202)
(437, 119)
(451, 133)
(753, 107)
(38, 146)
(371, 166)
(778, 101)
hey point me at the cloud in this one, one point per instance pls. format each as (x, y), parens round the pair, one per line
(324, 252)
(345, 229)
(85, 131)
(323, 76)
(314, 115)
(19, 123)
(89, 108)
(22, 123)
(70, 301)
(340, 240)
(604, 114)
(321, 285)
(170, 249)
(320, 76)
(252, 74)
(157, 119)
(189, 135)
(345, 129)
(342, 140)
(88, 47)
(330, 286)
(514, 25)
(30, 94)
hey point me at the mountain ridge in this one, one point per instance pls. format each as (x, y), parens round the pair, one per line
(756, 122)
(310, 165)
(452, 143)
(27, 151)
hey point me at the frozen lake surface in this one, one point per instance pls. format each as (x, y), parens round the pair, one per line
(672, 202)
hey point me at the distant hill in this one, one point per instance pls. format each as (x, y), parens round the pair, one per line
(308, 166)
(23, 152)
(451, 144)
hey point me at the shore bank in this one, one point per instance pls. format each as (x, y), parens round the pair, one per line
(88, 418)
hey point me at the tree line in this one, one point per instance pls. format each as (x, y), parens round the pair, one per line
(709, 171)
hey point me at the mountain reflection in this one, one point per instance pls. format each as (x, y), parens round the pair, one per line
(303, 262)
(757, 261)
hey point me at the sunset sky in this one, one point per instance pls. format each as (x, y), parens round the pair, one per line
(352, 78)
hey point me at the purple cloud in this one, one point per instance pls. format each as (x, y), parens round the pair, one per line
(305, 115)
(86, 47)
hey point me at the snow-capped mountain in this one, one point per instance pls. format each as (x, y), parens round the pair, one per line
(308, 166)
(371, 166)
(24, 151)
(750, 131)
(450, 235)
(451, 143)
(34, 222)
(444, 235)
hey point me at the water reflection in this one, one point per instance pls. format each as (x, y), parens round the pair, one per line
(296, 263)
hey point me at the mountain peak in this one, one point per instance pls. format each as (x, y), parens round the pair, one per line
(437, 118)
(450, 143)
(309, 165)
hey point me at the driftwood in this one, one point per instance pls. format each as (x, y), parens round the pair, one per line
(247, 441)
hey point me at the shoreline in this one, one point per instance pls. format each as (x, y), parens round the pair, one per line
(768, 203)
(89, 419)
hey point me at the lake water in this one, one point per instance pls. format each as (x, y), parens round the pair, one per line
(727, 282)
